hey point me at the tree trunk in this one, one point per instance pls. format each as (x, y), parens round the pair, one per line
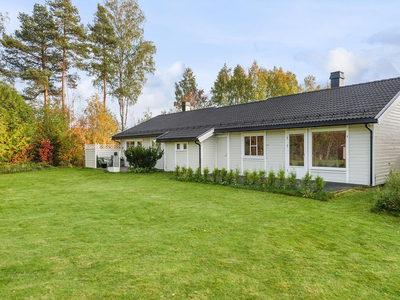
(63, 81)
(46, 95)
(105, 90)
(121, 112)
(45, 87)
(63, 71)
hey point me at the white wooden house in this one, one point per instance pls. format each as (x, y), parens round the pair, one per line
(346, 134)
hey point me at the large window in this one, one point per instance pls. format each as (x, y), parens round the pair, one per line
(254, 145)
(329, 149)
(296, 149)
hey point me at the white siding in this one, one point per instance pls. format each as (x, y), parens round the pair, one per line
(193, 155)
(333, 176)
(235, 151)
(387, 143)
(275, 150)
(169, 154)
(359, 159)
(209, 157)
(90, 158)
(107, 153)
(253, 164)
(147, 142)
(181, 158)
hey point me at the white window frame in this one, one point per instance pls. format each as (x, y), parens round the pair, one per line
(310, 145)
(244, 135)
(181, 147)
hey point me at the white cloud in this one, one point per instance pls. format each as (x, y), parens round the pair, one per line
(158, 93)
(357, 66)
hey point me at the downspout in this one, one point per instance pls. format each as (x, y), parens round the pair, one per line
(370, 153)
(198, 143)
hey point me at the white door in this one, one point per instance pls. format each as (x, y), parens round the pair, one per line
(222, 153)
(296, 158)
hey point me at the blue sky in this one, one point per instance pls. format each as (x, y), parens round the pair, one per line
(361, 38)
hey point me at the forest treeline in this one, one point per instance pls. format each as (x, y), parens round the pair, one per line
(51, 46)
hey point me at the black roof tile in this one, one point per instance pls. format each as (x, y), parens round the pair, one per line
(353, 104)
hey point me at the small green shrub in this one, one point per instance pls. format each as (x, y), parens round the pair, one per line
(281, 178)
(177, 172)
(261, 177)
(236, 176)
(215, 174)
(318, 184)
(206, 173)
(271, 179)
(197, 175)
(306, 186)
(291, 181)
(143, 157)
(223, 174)
(230, 177)
(189, 174)
(388, 197)
(246, 177)
(253, 178)
(183, 173)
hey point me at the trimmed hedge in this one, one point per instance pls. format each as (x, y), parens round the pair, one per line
(274, 183)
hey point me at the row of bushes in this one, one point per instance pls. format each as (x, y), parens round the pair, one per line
(23, 167)
(271, 181)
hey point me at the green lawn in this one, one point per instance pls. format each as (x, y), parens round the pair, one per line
(79, 233)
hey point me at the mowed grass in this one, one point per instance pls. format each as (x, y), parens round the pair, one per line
(80, 233)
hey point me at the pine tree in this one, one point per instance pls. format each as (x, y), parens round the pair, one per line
(70, 41)
(103, 42)
(29, 54)
(133, 55)
(186, 90)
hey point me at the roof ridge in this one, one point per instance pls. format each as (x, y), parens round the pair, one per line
(301, 93)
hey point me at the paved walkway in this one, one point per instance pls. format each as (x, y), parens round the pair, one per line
(334, 186)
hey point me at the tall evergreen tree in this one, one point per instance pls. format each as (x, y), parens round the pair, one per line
(186, 90)
(70, 41)
(133, 55)
(103, 42)
(29, 54)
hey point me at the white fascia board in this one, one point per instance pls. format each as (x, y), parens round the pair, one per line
(206, 135)
(388, 107)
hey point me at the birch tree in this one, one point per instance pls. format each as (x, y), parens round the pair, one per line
(133, 55)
